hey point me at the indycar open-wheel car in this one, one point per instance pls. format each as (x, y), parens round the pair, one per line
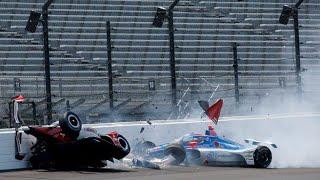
(66, 144)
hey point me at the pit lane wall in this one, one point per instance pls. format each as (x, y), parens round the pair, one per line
(264, 128)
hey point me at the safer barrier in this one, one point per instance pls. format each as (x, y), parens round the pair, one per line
(265, 128)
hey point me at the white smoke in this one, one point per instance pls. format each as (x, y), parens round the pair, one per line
(298, 143)
(297, 136)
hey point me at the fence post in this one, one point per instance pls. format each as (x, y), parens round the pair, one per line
(236, 74)
(109, 64)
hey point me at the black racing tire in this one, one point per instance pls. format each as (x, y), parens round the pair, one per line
(177, 151)
(123, 149)
(262, 157)
(71, 124)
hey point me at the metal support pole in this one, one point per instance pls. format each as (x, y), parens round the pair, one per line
(109, 63)
(10, 114)
(34, 112)
(173, 4)
(236, 74)
(297, 49)
(298, 3)
(172, 59)
(68, 105)
(46, 58)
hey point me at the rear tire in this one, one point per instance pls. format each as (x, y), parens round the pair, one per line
(177, 151)
(262, 157)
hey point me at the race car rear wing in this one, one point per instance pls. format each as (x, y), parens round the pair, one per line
(18, 123)
(213, 111)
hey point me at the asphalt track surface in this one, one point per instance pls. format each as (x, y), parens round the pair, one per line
(174, 173)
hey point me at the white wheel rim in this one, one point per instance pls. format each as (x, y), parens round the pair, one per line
(125, 142)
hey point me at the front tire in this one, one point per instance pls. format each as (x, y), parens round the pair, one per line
(71, 124)
(177, 151)
(123, 149)
(262, 157)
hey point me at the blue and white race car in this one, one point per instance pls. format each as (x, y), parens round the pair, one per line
(209, 149)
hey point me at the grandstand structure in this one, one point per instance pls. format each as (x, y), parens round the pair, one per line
(204, 33)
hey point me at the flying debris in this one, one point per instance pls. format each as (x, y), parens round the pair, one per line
(145, 164)
(141, 130)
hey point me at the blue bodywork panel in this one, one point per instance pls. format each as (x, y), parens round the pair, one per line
(207, 141)
(193, 141)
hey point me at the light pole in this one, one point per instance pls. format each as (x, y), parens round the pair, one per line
(161, 14)
(45, 30)
(34, 18)
(286, 13)
(109, 64)
(235, 69)
(172, 58)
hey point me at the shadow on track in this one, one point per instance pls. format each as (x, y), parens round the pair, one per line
(86, 170)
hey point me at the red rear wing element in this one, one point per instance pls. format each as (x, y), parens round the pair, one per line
(213, 112)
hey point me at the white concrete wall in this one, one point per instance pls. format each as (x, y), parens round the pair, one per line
(279, 129)
(7, 151)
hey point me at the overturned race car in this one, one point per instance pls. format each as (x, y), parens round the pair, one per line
(209, 148)
(66, 144)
